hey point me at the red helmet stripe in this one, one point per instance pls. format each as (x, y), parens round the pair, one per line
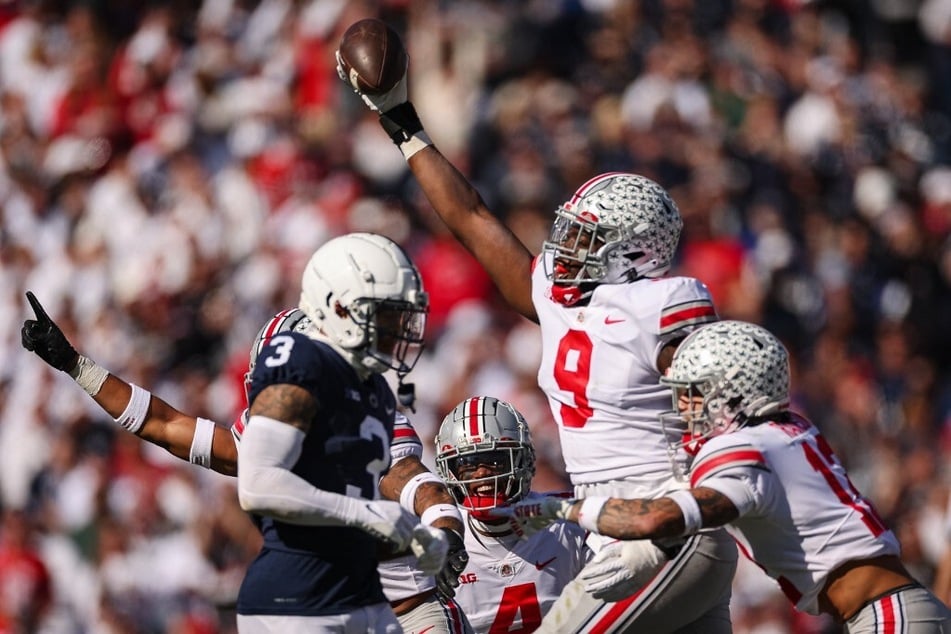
(274, 325)
(475, 404)
(594, 181)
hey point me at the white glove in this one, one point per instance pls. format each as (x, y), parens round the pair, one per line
(430, 546)
(536, 513)
(387, 521)
(384, 101)
(621, 568)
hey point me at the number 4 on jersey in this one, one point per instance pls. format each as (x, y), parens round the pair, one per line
(521, 598)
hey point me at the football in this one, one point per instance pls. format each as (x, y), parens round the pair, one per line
(372, 56)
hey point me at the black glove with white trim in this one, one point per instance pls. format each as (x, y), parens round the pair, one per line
(447, 580)
(43, 336)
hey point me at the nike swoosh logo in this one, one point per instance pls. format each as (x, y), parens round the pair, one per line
(541, 565)
(610, 320)
(424, 630)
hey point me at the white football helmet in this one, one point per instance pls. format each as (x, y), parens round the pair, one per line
(738, 369)
(616, 228)
(362, 291)
(291, 319)
(484, 433)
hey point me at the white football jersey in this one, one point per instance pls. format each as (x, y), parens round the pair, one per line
(800, 515)
(401, 578)
(510, 582)
(599, 371)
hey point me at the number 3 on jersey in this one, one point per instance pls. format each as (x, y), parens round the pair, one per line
(282, 346)
(572, 373)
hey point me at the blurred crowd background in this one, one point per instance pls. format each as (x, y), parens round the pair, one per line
(166, 168)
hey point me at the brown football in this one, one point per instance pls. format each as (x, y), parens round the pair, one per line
(372, 56)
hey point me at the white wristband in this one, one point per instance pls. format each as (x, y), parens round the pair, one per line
(200, 452)
(134, 415)
(89, 375)
(438, 511)
(415, 143)
(589, 512)
(408, 494)
(693, 520)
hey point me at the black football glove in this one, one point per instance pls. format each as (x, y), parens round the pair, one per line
(44, 337)
(447, 580)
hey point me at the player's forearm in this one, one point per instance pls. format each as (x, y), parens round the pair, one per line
(679, 513)
(434, 496)
(280, 494)
(114, 396)
(635, 519)
(266, 485)
(456, 201)
(183, 436)
(168, 428)
(411, 484)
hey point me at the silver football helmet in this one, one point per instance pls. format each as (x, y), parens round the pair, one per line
(362, 291)
(616, 228)
(723, 375)
(485, 437)
(290, 319)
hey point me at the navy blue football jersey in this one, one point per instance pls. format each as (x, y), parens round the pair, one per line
(316, 570)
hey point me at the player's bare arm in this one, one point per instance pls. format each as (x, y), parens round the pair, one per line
(158, 423)
(167, 427)
(287, 403)
(427, 494)
(507, 261)
(666, 354)
(457, 202)
(662, 517)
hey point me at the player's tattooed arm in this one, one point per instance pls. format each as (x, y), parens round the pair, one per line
(427, 494)
(287, 403)
(402, 472)
(716, 509)
(662, 517)
(640, 519)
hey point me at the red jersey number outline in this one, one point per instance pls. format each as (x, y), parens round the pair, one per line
(823, 462)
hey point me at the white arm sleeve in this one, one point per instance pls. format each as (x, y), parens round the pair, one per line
(266, 486)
